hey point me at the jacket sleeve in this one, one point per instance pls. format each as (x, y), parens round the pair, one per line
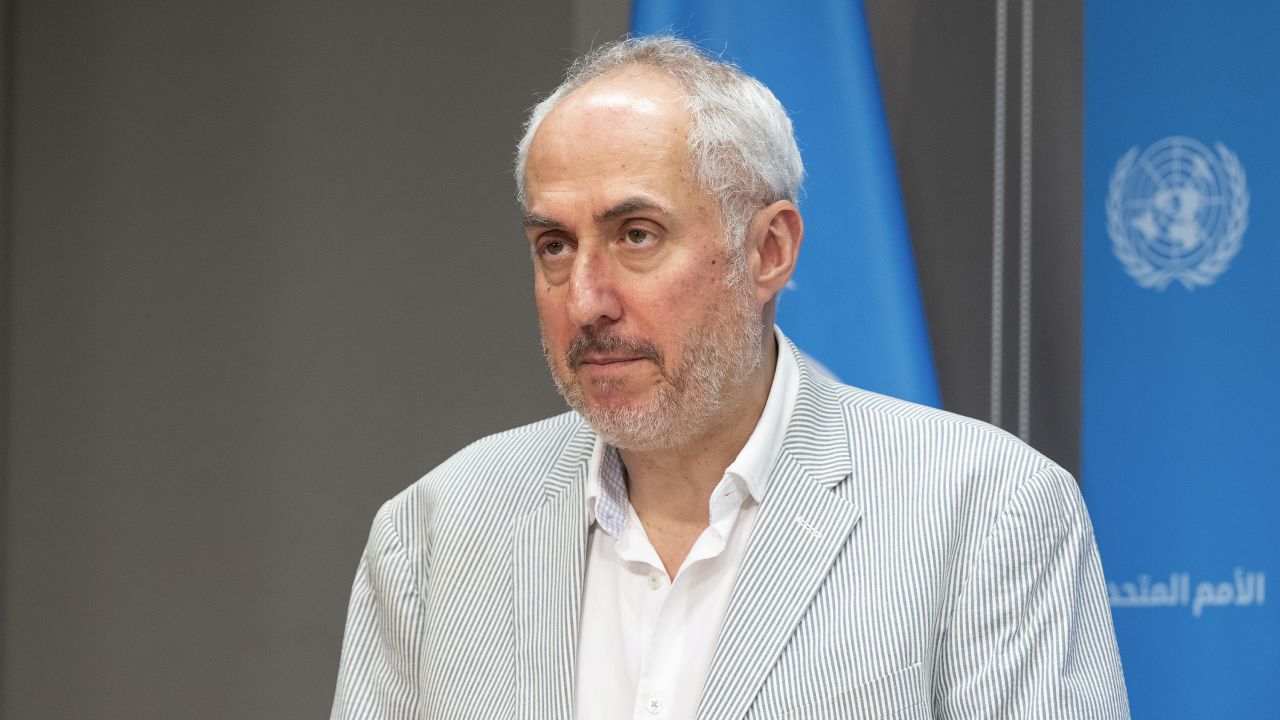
(1031, 634)
(381, 648)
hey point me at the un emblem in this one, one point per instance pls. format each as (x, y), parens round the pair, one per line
(1177, 211)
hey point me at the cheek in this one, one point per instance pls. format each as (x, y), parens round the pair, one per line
(549, 303)
(705, 281)
(689, 298)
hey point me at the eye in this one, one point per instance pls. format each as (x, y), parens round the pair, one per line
(553, 250)
(638, 237)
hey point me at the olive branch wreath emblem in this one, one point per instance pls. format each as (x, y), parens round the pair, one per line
(1146, 273)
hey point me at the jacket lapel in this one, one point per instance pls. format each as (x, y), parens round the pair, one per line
(550, 556)
(801, 528)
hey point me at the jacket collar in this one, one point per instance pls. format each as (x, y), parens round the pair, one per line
(801, 529)
(817, 436)
(549, 562)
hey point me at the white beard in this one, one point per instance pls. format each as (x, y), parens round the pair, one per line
(717, 361)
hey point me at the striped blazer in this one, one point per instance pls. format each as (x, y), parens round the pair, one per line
(905, 563)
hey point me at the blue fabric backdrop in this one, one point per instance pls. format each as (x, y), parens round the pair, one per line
(1182, 346)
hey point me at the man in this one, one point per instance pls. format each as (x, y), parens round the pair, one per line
(717, 531)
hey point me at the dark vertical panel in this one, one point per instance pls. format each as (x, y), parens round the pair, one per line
(936, 63)
(6, 232)
(1058, 209)
(266, 271)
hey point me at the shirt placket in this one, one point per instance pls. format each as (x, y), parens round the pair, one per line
(646, 586)
(669, 605)
(653, 690)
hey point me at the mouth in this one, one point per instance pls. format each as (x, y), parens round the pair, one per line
(598, 353)
(609, 361)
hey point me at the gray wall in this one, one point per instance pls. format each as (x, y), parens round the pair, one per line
(261, 269)
(246, 308)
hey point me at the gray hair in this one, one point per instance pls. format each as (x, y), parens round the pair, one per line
(742, 148)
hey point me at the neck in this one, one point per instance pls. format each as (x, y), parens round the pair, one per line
(673, 485)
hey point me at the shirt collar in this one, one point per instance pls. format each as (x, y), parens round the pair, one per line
(607, 502)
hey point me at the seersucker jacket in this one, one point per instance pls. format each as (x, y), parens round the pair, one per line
(905, 563)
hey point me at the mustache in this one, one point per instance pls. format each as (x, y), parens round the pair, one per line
(592, 342)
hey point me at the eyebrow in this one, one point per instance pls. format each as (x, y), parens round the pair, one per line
(631, 205)
(531, 219)
(626, 207)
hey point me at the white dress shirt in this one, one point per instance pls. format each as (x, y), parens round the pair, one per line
(646, 641)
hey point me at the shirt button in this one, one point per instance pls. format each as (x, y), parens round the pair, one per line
(655, 582)
(654, 706)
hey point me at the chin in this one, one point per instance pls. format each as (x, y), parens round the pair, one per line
(616, 403)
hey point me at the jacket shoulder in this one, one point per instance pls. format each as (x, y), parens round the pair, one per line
(940, 431)
(907, 450)
(494, 478)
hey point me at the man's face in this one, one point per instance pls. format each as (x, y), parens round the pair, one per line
(643, 333)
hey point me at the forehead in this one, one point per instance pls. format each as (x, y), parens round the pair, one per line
(627, 126)
(637, 89)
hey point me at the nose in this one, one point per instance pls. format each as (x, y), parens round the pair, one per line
(593, 293)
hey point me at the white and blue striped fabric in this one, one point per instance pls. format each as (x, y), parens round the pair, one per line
(906, 562)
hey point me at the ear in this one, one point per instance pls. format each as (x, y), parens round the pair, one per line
(773, 244)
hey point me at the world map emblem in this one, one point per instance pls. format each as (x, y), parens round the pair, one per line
(1177, 211)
